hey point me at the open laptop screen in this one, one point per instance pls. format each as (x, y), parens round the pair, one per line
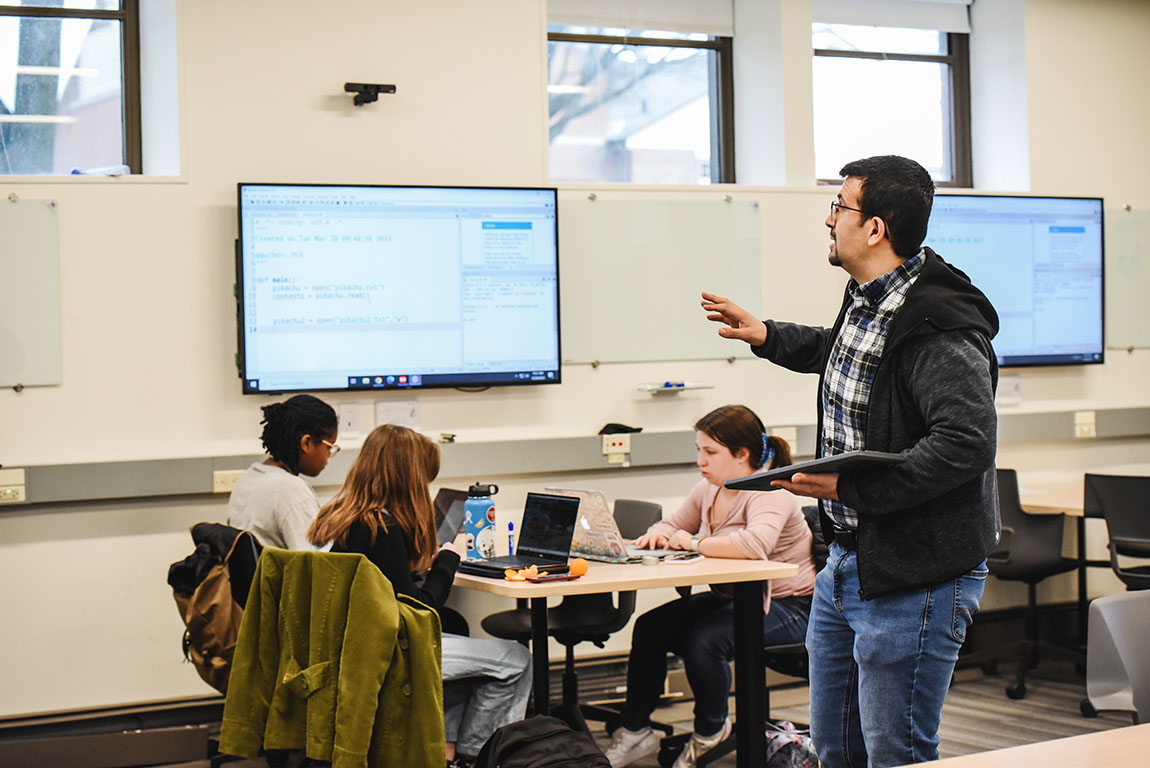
(547, 526)
(449, 513)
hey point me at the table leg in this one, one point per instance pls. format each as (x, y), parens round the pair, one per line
(539, 656)
(750, 672)
(1083, 602)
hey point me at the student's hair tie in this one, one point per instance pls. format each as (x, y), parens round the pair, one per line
(768, 452)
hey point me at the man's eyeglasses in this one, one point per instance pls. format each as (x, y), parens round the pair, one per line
(836, 206)
(332, 448)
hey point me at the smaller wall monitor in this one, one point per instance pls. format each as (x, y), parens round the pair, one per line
(1039, 261)
(387, 287)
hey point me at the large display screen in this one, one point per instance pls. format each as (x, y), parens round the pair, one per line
(389, 287)
(1039, 261)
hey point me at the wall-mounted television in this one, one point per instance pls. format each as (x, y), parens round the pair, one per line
(1039, 261)
(356, 287)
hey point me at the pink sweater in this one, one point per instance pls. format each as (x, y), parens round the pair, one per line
(763, 525)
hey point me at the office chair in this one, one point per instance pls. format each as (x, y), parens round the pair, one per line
(582, 618)
(1124, 500)
(1118, 656)
(1029, 551)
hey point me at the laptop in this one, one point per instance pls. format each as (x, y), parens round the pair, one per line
(544, 537)
(597, 534)
(449, 513)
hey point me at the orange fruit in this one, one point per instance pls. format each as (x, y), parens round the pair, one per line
(578, 566)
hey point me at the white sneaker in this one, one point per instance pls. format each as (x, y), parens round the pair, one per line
(628, 746)
(699, 745)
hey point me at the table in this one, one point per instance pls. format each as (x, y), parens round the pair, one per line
(1102, 749)
(747, 576)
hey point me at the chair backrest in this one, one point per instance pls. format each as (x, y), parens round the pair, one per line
(1124, 500)
(594, 618)
(1032, 544)
(634, 517)
(1117, 664)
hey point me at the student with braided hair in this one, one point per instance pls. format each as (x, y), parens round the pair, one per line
(271, 499)
(716, 522)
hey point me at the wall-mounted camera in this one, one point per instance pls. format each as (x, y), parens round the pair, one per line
(367, 92)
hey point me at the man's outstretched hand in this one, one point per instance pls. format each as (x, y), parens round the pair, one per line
(737, 322)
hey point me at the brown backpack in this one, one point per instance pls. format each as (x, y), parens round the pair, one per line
(210, 587)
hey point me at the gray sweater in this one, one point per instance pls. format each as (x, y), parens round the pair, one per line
(935, 516)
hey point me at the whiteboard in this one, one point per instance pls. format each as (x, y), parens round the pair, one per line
(1127, 279)
(631, 271)
(30, 279)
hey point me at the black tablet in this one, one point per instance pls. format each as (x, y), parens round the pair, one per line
(761, 481)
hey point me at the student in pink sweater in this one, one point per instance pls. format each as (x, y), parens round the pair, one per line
(717, 522)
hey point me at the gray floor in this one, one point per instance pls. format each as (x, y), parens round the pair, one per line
(977, 716)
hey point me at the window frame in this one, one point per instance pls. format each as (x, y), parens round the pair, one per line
(957, 59)
(129, 17)
(722, 92)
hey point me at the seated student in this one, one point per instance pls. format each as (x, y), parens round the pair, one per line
(384, 511)
(717, 522)
(271, 499)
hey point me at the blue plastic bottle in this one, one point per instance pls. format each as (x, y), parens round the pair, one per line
(479, 520)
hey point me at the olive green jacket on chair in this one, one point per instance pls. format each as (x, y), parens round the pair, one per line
(329, 660)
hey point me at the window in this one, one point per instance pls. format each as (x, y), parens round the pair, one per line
(69, 86)
(885, 90)
(647, 107)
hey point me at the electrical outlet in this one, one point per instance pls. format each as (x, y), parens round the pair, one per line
(1085, 424)
(11, 493)
(348, 419)
(223, 481)
(619, 444)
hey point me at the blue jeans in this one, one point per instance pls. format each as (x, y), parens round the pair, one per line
(699, 629)
(880, 668)
(486, 683)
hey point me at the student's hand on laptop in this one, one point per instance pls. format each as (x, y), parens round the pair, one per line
(651, 541)
(680, 540)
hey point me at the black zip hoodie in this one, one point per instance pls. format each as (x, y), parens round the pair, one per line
(935, 516)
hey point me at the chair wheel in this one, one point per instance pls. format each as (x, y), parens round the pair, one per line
(1087, 709)
(989, 667)
(1016, 691)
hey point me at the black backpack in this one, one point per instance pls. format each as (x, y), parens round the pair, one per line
(540, 742)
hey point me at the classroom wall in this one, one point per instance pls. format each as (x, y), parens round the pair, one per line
(147, 270)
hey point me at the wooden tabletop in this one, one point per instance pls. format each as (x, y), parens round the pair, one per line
(1062, 492)
(608, 577)
(1103, 749)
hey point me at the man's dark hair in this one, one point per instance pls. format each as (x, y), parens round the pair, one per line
(900, 192)
(285, 423)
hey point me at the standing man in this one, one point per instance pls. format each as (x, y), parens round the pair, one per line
(907, 368)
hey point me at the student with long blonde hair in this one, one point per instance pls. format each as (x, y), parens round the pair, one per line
(384, 512)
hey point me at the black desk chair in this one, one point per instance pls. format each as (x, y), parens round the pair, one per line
(1030, 550)
(581, 619)
(1124, 501)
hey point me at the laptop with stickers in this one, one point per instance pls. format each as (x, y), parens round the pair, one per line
(597, 534)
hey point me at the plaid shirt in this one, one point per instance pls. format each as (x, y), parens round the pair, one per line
(852, 364)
